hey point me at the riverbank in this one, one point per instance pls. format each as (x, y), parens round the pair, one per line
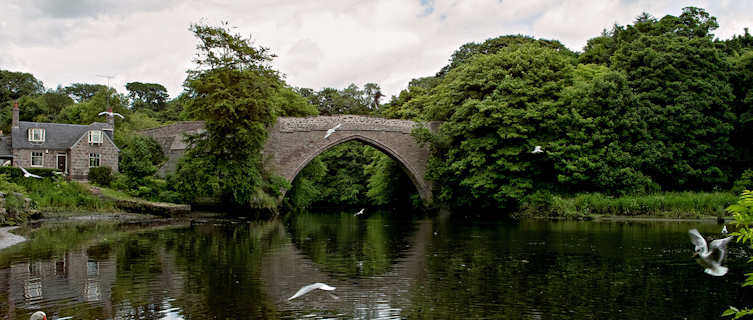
(22, 198)
(8, 239)
(666, 205)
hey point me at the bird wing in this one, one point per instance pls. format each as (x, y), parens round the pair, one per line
(329, 132)
(119, 115)
(310, 288)
(717, 270)
(101, 113)
(697, 239)
(24, 170)
(719, 247)
(34, 176)
(337, 126)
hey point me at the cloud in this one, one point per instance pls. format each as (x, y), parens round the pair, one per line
(319, 44)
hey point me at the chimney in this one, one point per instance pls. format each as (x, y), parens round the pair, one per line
(14, 124)
(110, 129)
(111, 118)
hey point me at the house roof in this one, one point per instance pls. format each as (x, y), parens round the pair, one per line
(5, 150)
(57, 135)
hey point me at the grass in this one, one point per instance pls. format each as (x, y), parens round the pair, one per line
(56, 195)
(663, 204)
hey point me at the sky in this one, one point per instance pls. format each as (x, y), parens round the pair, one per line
(318, 44)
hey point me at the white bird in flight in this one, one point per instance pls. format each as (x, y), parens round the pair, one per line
(359, 213)
(331, 131)
(39, 315)
(537, 149)
(310, 288)
(112, 114)
(28, 174)
(710, 256)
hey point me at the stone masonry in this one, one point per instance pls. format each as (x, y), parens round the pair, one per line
(293, 142)
(79, 157)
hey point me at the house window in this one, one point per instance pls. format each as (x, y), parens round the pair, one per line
(93, 160)
(95, 136)
(36, 135)
(36, 159)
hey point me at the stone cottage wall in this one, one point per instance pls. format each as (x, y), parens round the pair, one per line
(22, 157)
(79, 157)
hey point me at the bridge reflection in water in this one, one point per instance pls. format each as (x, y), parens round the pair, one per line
(286, 269)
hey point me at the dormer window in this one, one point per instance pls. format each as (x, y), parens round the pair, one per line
(95, 136)
(36, 135)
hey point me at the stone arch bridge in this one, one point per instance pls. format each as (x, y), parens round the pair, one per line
(293, 142)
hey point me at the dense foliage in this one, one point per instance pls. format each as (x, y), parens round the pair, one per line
(657, 105)
(238, 96)
(743, 213)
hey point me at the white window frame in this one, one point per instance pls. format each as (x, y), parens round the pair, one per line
(40, 156)
(33, 133)
(95, 160)
(95, 136)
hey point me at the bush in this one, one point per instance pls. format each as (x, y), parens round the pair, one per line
(101, 176)
(11, 172)
(43, 172)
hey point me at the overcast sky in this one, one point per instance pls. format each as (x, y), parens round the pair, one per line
(318, 43)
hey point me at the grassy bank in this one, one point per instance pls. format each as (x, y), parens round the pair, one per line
(663, 205)
(56, 195)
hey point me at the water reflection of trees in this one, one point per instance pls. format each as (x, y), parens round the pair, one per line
(351, 246)
(566, 270)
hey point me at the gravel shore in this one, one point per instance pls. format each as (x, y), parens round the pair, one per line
(8, 239)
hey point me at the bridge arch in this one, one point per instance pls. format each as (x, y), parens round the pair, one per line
(293, 142)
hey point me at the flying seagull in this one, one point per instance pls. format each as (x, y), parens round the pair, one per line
(710, 256)
(537, 149)
(111, 114)
(331, 131)
(28, 174)
(310, 288)
(39, 315)
(359, 213)
(724, 230)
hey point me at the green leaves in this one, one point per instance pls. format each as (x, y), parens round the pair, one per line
(238, 97)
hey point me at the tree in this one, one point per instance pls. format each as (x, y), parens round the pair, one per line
(140, 157)
(83, 91)
(495, 108)
(14, 85)
(469, 50)
(599, 133)
(232, 90)
(681, 81)
(351, 100)
(150, 96)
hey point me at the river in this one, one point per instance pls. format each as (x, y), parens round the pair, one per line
(384, 266)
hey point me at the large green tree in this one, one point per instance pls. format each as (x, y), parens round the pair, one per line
(495, 108)
(83, 91)
(233, 90)
(150, 96)
(14, 85)
(681, 81)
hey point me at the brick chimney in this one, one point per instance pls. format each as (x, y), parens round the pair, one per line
(14, 124)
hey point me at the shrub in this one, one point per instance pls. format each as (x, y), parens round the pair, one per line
(43, 172)
(101, 176)
(11, 172)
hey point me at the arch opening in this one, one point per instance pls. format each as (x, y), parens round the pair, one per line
(385, 173)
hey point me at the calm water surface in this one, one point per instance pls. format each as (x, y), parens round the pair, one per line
(383, 265)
